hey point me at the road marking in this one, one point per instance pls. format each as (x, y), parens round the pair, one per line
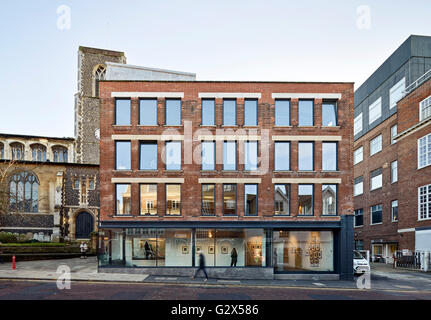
(229, 281)
(165, 278)
(403, 287)
(319, 284)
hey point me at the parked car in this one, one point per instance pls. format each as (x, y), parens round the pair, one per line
(360, 264)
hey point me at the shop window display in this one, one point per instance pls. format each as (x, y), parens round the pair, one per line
(303, 251)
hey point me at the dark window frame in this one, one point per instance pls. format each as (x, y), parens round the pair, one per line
(116, 194)
(139, 113)
(166, 200)
(312, 155)
(202, 111)
(312, 200)
(335, 102)
(181, 111)
(166, 155)
(257, 200)
(214, 158)
(275, 113)
(356, 215)
(116, 148)
(214, 196)
(289, 196)
(257, 155)
(257, 112)
(336, 155)
(140, 200)
(381, 214)
(290, 155)
(115, 111)
(312, 113)
(236, 199)
(236, 155)
(336, 199)
(157, 153)
(236, 112)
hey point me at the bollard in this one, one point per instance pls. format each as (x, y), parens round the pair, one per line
(13, 263)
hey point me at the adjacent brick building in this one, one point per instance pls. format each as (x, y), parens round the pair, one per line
(209, 166)
(386, 155)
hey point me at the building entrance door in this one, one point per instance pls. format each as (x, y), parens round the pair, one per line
(84, 225)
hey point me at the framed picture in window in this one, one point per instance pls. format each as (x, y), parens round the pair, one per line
(185, 249)
(211, 250)
(224, 250)
(198, 250)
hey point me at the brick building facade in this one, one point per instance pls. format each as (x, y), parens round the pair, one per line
(388, 129)
(313, 235)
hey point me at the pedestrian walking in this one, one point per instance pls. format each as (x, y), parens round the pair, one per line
(234, 257)
(201, 267)
(147, 250)
(84, 249)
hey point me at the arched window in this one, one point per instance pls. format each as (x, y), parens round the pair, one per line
(1, 151)
(38, 152)
(60, 154)
(17, 151)
(24, 192)
(99, 74)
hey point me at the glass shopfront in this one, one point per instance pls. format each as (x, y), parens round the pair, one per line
(283, 249)
(303, 251)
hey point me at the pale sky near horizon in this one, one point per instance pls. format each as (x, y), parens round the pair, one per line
(272, 40)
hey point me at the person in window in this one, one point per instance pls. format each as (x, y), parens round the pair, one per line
(201, 267)
(234, 258)
(147, 250)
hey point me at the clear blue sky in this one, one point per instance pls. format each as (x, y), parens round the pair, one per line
(218, 40)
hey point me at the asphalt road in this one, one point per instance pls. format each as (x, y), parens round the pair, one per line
(47, 290)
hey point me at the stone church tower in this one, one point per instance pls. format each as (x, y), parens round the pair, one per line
(91, 69)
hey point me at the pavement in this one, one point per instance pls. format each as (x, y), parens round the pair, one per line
(383, 277)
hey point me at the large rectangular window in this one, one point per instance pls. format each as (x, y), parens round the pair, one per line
(305, 156)
(123, 199)
(173, 199)
(394, 171)
(376, 179)
(329, 114)
(299, 251)
(208, 200)
(376, 214)
(173, 155)
(148, 199)
(123, 155)
(208, 155)
(375, 111)
(329, 199)
(282, 112)
(250, 112)
(394, 210)
(376, 145)
(282, 156)
(306, 113)
(357, 126)
(281, 199)
(173, 112)
(229, 155)
(358, 187)
(359, 217)
(329, 156)
(424, 151)
(250, 199)
(208, 112)
(305, 199)
(229, 199)
(396, 92)
(148, 112)
(424, 202)
(148, 155)
(425, 109)
(229, 112)
(250, 155)
(358, 155)
(122, 112)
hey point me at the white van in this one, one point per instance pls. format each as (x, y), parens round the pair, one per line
(360, 264)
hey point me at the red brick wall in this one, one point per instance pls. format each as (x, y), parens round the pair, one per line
(191, 110)
(410, 177)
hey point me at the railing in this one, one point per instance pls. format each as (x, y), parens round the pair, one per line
(410, 260)
(417, 82)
